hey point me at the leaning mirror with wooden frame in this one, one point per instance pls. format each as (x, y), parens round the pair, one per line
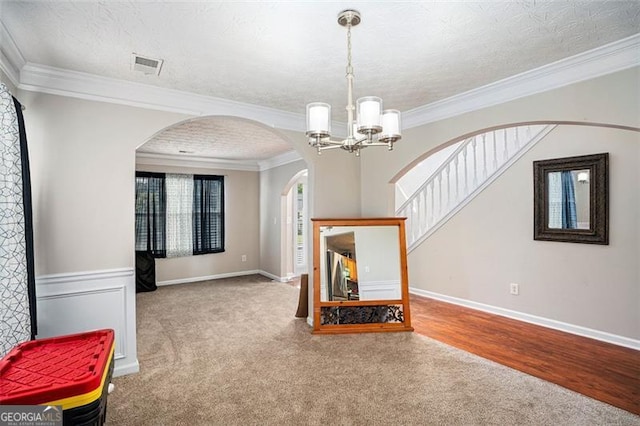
(360, 276)
(571, 199)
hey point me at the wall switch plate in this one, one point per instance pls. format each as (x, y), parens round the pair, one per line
(514, 289)
(244, 257)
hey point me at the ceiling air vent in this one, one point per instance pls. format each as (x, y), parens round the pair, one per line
(145, 65)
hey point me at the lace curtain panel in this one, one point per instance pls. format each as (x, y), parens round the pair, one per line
(179, 215)
(17, 285)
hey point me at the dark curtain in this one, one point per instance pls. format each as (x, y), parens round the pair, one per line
(28, 219)
(208, 214)
(569, 214)
(151, 209)
(145, 272)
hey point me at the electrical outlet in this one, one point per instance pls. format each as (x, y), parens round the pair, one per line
(244, 257)
(514, 289)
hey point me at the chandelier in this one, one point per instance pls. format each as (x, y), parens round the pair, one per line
(371, 127)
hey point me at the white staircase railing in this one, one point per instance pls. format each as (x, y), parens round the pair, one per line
(477, 162)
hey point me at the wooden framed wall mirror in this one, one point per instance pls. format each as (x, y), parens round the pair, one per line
(571, 199)
(360, 276)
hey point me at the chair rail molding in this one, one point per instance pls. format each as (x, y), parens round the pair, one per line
(84, 301)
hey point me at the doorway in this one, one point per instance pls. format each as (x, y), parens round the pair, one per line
(294, 226)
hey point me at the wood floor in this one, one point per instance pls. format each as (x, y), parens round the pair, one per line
(602, 371)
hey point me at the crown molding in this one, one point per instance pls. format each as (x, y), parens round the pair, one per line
(11, 59)
(607, 59)
(279, 160)
(613, 57)
(57, 81)
(144, 158)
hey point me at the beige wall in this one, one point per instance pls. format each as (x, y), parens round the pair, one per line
(334, 179)
(610, 99)
(272, 184)
(83, 169)
(334, 186)
(241, 229)
(9, 84)
(489, 244)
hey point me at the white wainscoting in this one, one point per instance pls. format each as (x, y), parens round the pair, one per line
(379, 290)
(533, 319)
(84, 301)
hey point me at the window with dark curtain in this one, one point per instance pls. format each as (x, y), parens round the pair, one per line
(151, 213)
(208, 214)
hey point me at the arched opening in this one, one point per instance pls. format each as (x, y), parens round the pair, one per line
(294, 223)
(239, 150)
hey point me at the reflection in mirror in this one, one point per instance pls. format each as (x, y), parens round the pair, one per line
(359, 263)
(342, 275)
(568, 199)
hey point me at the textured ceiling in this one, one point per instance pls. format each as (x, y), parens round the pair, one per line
(224, 138)
(286, 54)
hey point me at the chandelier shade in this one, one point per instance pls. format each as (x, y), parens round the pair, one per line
(369, 110)
(318, 119)
(371, 125)
(391, 125)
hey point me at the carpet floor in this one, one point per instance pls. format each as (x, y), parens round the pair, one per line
(231, 352)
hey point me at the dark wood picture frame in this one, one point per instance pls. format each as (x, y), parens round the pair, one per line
(598, 232)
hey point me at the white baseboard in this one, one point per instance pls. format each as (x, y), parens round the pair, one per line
(533, 319)
(275, 277)
(124, 369)
(83, 301)
(226, 275)
(208, 277)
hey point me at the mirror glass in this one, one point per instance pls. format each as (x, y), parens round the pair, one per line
(359, 263)
(568, 199)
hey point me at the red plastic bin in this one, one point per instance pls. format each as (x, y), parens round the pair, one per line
(72, 371)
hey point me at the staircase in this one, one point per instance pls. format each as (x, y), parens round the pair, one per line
(477, 162)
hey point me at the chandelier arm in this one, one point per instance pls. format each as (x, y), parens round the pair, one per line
(389, 145)
(376, 144)
(326, 147)
(331, 142)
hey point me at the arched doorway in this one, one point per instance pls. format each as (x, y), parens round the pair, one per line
(294, 215)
